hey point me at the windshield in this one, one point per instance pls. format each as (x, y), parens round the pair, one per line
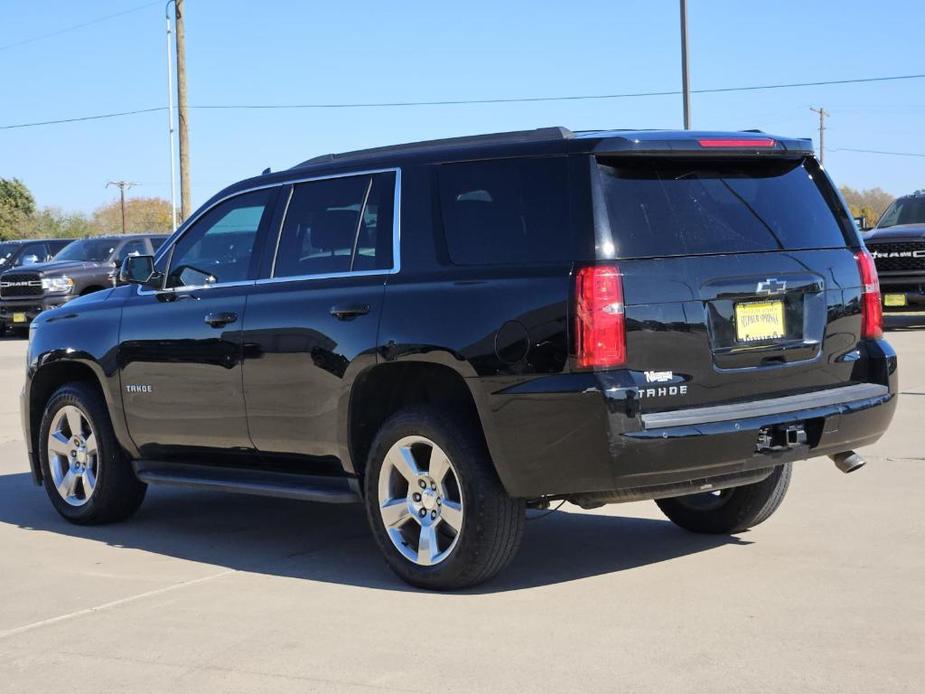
(92, 250)
(687, 207)
(6, 250)
(904, 211)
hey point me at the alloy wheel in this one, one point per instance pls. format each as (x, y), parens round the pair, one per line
(73, 455)
(420, 500)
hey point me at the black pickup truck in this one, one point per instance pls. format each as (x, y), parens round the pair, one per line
(83, 266)
(23, 252)
(897, 244)
(452, 332)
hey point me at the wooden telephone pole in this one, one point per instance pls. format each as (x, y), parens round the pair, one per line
(822, 114)
(122, 185)
(185, 205)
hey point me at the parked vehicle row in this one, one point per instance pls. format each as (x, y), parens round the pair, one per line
(451, 332)
(897, 244)
(34, 279)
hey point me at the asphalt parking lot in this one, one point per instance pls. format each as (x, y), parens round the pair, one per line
(203, 592)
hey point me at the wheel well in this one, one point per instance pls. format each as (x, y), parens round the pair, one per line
(45, 382)
(90, 290)
(384, 390)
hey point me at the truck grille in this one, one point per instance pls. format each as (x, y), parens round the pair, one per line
(20, 285)
(898, 255)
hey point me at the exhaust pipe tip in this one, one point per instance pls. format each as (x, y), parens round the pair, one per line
(849, 461)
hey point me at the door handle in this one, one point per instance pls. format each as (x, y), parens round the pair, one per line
(221, 319)
(349, 311)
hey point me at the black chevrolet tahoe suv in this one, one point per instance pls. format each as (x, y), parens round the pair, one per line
(84, 266)
(452, 332)
(897, 244)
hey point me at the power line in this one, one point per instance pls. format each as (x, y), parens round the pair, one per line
(76, 26)
(583, 97)
(460, 102)
(877, 151)
(84, 118)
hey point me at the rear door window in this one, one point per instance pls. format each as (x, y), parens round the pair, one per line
(689, 207)
(337, 225)
(506, 211)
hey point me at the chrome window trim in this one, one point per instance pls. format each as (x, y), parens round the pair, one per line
(279, 230)
(396, 234)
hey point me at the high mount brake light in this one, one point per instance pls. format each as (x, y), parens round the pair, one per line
(600, 330)
(871, 310)
(732, 143)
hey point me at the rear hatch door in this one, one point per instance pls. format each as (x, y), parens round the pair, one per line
(739, 282)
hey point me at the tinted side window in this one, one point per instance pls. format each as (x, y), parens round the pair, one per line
(374, 242)
(56, 246)
(218, 248)
(506, 211)
(33, 253)
(133, 247)
(336, 225)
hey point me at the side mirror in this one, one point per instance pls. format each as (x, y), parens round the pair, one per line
(137, 269)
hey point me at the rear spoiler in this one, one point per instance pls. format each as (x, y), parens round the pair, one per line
(745, 144)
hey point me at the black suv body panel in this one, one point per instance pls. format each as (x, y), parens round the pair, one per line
(273, 388)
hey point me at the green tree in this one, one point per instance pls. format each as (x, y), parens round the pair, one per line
(51, 222)
(141, 214)
(870, 203)
(16, 206)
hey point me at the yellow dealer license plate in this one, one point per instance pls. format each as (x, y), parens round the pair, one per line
(759, 320)
(894, 299)
(19, 317)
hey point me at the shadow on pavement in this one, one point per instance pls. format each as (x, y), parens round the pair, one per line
(898, 322)
(332, 543)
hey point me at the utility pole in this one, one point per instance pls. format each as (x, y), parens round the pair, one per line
(170, 122)
(822, 114)
(122, 185)
(685, 78)
(185, 208)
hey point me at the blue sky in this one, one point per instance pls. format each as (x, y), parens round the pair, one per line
(280, 51)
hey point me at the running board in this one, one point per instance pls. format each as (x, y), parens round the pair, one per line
(331, 490)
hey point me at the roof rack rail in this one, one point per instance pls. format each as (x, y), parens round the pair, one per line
(537, 135)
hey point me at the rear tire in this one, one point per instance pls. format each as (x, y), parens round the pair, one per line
(429, 472)
(730, 510)
(85, 473)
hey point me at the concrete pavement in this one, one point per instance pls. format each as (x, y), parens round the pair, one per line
(204, 592)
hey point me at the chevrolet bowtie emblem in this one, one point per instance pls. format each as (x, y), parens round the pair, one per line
(771, 286)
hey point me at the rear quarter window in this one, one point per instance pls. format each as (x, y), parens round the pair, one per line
(691, 207)
(506, 211)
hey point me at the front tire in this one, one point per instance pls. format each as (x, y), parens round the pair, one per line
(729, 510)
(437, 509)
(85, 473)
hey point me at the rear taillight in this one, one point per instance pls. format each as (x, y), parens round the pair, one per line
(871, 311)
(600, 334)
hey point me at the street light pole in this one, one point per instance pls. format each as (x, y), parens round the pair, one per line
(685, 79)
(170, 122)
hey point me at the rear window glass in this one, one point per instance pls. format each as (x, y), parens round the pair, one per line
(676, 207)
(506, 211)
